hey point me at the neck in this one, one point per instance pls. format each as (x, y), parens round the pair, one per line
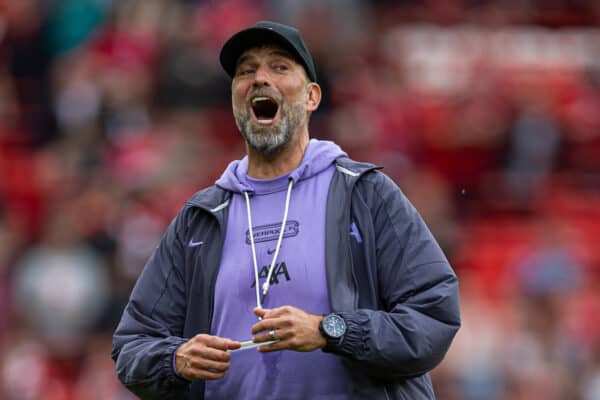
(289, 158)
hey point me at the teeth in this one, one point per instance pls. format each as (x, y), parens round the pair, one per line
(260, 98)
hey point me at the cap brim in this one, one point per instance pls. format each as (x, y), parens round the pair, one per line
(248, 38)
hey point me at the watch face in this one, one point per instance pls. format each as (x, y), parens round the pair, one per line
(334, 326)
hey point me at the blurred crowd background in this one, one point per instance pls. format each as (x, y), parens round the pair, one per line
(486, 113)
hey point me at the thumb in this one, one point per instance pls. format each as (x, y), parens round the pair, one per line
(233, 345)
(260, 312)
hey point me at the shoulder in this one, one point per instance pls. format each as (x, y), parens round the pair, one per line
(370, 187)
(208, 198)
(368, 179)
(205, 203)
(363, 172)
(354, 168)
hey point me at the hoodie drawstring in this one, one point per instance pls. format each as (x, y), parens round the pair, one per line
(266, 284)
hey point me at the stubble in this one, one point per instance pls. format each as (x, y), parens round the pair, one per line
(269, 140)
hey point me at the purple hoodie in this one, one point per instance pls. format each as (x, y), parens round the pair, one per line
(298, 278)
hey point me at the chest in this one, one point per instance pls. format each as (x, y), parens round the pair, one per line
(297, 274)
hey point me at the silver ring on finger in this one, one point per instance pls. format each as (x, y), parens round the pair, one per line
(272, 334)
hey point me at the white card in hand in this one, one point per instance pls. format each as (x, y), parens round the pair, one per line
(249, 344)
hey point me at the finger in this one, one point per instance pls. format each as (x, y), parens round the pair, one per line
(260, 312)
(217, 343)
(203, 374)
(277, 312)
(194, 370)
(277, 346)
(233, 345)
(209, 365)
(279, 335)
(264, 325)
(212, 341)
(209, 353)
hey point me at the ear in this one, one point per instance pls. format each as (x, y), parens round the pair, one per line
(314, 96)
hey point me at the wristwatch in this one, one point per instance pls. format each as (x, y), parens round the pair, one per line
(333, 328)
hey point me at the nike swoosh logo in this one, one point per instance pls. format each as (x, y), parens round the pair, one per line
(269, 251)
(194, 244)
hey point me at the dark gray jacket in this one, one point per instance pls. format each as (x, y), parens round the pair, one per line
(388, 278)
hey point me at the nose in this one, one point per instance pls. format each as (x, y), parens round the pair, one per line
(261, 77)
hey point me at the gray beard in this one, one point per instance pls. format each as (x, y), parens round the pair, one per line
(269, 140)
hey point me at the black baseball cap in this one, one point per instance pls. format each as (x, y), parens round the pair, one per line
(266, 32)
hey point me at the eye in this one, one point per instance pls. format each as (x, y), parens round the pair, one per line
(244, 71)
(280, 67)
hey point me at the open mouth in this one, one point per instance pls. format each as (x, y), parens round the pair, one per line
(264, 109)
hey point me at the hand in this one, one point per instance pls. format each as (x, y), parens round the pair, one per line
(204, 357)
(295, 329)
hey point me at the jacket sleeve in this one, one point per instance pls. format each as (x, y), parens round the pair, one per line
(152, 323)
(418, 291)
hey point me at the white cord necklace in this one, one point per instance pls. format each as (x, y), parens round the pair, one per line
(267, 283)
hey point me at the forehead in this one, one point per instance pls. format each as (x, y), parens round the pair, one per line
(266, 50)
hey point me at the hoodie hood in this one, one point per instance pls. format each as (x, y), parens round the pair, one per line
(319, 155)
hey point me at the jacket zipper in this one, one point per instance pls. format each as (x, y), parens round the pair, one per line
(211, 298)
(349, 247)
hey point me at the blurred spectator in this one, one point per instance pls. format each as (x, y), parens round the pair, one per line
(533, 153)
(582, 125)
(550, 266)
(24, 371)
(472, 369)
(9, 242)
(61, 286)
(28, 61)
(71, 22)
(97, 380)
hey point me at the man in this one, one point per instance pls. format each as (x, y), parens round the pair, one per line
(319, 260)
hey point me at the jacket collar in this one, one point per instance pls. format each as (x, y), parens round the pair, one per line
(212, 199)
(354, 169)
